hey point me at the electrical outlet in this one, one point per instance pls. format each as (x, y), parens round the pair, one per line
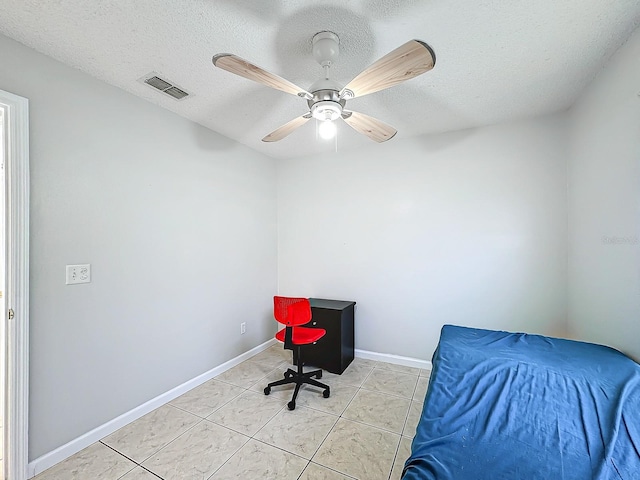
(78, 274)
(243, 328)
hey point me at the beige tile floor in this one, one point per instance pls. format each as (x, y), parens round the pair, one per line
(228, 429)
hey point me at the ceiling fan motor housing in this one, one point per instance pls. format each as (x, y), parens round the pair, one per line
(326, 47)
(326, 104)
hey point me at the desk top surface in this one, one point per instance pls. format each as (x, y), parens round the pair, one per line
(331, 304)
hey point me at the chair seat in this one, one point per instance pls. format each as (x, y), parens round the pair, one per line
(303, 335)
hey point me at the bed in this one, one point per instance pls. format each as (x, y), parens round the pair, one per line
(507, 406)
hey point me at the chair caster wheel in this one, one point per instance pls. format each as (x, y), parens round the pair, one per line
(291, 405)
(326, 393)
(319, 375)
(267, 390)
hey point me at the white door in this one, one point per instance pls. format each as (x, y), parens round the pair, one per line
(3, 316)
(14, 284)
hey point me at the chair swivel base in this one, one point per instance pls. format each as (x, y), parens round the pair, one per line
(299, 378)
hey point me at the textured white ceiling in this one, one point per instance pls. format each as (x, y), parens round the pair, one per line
(497, 60)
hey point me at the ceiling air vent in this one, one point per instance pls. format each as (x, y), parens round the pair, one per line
(175, 92)
(153, 80)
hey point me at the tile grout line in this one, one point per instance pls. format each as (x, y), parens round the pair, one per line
(152, 473)
(367, 390)
(131, 460)
(268, 445)
(227, 460)
(230, 457)
(373, 426)
(216, 409)
(171, 441)
(281, 449)
(395, 456)
(119, 453)
(128, 472)
(250, 437)
(358, 389)
(334, 470)
(346, 419)
(406, 419)
(267, 422)
(140, 464)
(326, 436)
(341, 416)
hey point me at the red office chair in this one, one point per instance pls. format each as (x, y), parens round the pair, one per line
(293, 312)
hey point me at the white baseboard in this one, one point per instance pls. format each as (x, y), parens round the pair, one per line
(74, 446)
(395, 359)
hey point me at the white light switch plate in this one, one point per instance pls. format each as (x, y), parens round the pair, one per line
(78, 274)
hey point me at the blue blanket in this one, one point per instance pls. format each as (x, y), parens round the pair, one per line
(505, 406)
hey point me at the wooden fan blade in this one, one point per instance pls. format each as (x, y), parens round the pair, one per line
(404, 63)
(371, 127)
(287, 128)
(239, 66)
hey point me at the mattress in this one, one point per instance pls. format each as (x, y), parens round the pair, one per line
(506, 406)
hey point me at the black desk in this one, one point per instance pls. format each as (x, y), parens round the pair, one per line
(334, 351)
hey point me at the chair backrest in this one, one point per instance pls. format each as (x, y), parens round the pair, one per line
(291, 311)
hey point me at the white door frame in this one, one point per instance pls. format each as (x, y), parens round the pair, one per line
(17, 284)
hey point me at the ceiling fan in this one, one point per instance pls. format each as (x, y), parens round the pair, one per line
(326, 98)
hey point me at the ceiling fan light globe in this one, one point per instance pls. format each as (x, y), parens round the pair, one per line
(327, 130)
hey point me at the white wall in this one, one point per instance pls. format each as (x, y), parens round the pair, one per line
(179, 225)
(466, 228)
(604, 206)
